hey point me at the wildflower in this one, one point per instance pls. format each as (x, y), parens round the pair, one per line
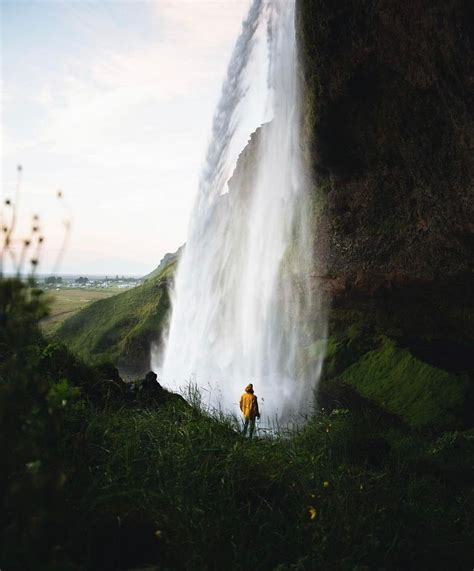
(313, 512)
(361, 487)
(325, 484)
(158, 534)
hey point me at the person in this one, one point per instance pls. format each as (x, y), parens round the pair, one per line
(249, 408)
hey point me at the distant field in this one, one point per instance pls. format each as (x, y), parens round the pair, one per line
(67, 302)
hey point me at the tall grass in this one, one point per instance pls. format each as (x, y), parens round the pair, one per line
(180, 488)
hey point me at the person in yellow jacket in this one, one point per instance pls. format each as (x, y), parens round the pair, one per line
(249, 408)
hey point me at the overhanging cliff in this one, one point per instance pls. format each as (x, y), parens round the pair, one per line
(388, 93)
(389, 128)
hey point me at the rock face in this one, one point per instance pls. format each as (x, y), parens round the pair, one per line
(388, 90)
(166, 262)
(388, 105)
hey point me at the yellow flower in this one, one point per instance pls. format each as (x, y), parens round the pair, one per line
(313, 512)
(158, 534)
(326, 484)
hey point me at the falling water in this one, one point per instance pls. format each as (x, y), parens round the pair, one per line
(244, 306)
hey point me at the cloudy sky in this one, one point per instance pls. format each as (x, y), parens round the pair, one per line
(110, 101)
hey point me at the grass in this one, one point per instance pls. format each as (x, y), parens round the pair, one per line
(176, 488)
(423, 395)
(67, 302)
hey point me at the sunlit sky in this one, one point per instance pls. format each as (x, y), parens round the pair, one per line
(111, 102)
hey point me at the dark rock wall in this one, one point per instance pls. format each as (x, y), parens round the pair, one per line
(388, 102)
(388, 113)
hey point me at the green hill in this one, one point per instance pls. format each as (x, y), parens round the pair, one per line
(122, 328)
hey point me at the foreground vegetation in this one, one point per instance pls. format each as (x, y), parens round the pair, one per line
(103, 475)
(180, 490)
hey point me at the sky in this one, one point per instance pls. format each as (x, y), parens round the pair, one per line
(111, 103)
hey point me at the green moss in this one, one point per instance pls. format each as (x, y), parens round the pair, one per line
(422, 395)
(340, 355)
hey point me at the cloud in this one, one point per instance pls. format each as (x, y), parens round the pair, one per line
(120, 119)
(97, 107)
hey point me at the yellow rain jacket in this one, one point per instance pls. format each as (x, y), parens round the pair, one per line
(249, 404)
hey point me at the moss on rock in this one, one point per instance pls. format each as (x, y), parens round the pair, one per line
(424, 396)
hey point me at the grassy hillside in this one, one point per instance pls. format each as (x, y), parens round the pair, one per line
(121, 328)
(67, 302)
(177, 489)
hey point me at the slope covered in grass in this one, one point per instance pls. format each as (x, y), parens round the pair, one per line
(67, 302)
(121, 328)
(176, 488)
(400, 383)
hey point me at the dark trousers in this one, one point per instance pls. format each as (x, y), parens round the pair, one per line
(249, 423)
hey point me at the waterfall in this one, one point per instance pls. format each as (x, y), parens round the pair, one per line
(244, 306)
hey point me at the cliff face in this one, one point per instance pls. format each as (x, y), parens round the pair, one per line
(388, 121)
(388, 92)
